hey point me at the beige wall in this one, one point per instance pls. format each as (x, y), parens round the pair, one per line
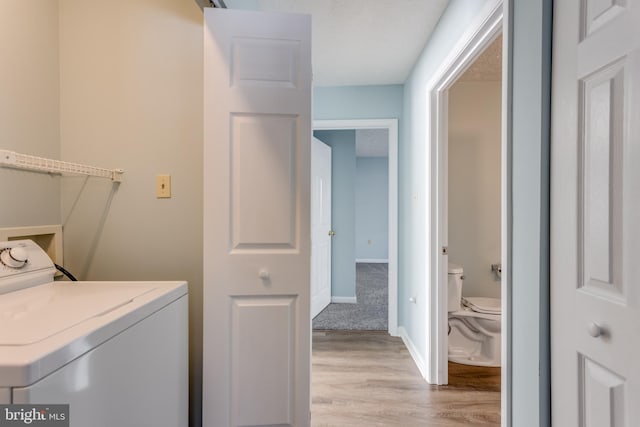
(29, 112)
(131, 98)
(474, 183)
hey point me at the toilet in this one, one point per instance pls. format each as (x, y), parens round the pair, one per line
(474, 325)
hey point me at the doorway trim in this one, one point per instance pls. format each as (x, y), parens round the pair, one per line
(490, 23)
(392, 126)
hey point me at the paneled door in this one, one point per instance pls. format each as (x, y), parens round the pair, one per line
(320, 226)
(595, 213)
(257, 138)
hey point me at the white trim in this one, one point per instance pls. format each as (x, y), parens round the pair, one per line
(413, 351)
(506, 214)
(479, 35)
(11, 159)
(372, 261)
(344, 300)
(392, 126)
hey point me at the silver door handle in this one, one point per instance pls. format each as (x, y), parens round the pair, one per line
(595, 330)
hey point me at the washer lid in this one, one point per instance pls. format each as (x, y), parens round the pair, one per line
(483, 305)
(47, 326)
(34, 314)
(455, 268)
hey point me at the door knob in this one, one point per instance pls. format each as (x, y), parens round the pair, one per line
(595, 330)
(332, 233)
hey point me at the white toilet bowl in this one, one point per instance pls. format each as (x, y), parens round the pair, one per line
(474, 326)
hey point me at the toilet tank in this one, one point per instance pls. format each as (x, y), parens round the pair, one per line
(454, 287)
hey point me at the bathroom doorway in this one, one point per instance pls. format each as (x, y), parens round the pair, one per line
(474, 215)
(473, 169)
(442, 92)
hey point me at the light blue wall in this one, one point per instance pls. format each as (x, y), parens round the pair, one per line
(372, 208)
(358, 102)
(414, 172)
(531, 81)
(343, 176)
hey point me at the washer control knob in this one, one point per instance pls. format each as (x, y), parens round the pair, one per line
(15, 257)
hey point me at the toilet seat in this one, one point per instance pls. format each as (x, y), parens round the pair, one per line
(483, 305)
(467, 312)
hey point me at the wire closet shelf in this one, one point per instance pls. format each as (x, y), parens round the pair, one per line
(15, 160)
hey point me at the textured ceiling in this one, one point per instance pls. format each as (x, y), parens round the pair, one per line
(361, 42)
(488, 66)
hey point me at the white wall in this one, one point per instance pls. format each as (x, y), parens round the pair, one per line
(131, 97)
(29, 109)
(475, 141)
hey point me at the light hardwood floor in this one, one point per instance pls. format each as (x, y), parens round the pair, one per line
(369, 379)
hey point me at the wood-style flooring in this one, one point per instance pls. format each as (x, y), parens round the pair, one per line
(369, 379)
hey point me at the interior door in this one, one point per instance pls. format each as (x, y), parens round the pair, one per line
(256, 322)
(595, 220)
(320, 226)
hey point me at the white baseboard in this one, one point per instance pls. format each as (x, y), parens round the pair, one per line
(344, 300)
(413, 351)
(373, 261)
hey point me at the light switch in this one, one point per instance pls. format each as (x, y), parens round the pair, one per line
(163, 186)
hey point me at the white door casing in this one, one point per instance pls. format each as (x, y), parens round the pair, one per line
(320, 226)
(257, 115)
(595, 221)
(471, 44)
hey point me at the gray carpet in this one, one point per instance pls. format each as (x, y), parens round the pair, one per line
(370, 312)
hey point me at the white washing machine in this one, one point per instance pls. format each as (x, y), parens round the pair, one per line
(116, 352)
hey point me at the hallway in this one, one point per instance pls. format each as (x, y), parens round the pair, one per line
(369, 379)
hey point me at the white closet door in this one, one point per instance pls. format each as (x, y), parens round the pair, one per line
(595, 214)
(256, 331)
